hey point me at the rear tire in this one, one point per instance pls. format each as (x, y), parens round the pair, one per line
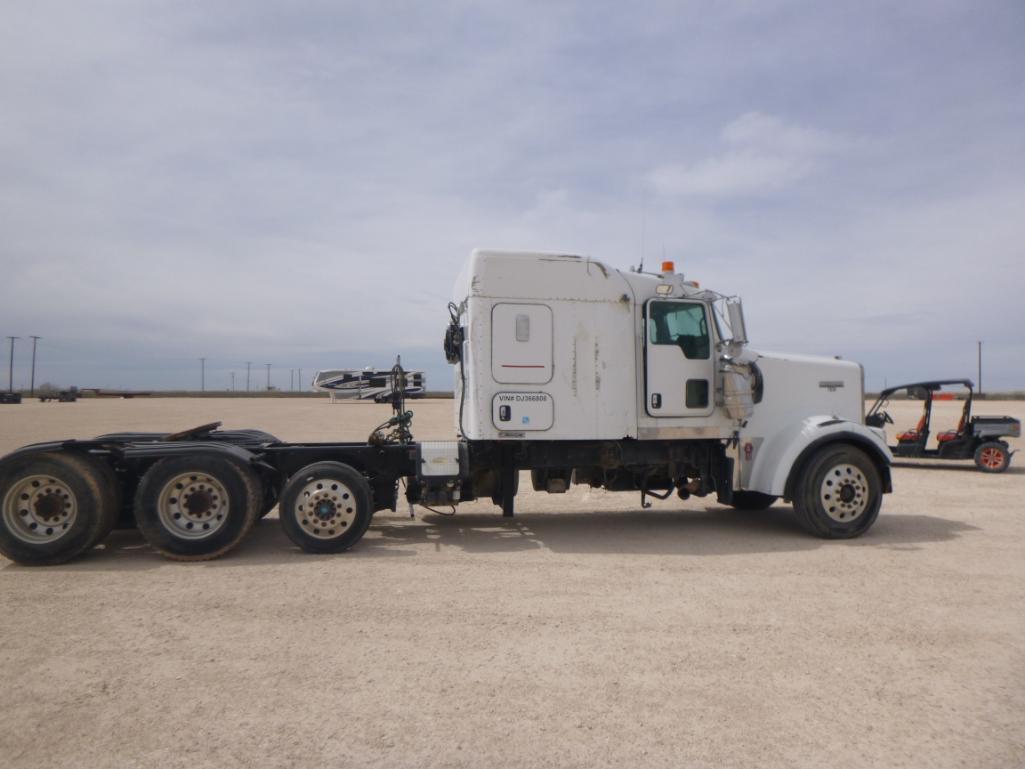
(752, 500)
(992, 457)
(198, 507)
(326, 507)
(838, 493)
(54, 507)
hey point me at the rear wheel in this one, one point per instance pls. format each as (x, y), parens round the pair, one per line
(992, 457)
(838, 493)
(54, 507)
(326, 507)
(198, 507)
(752, 500)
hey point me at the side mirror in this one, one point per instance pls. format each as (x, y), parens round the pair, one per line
(735, 311)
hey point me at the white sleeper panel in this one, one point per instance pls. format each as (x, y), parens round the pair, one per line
(521, 343)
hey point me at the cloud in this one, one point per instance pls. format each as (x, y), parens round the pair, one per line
(301, 182)
(732, 174)
(768, 155)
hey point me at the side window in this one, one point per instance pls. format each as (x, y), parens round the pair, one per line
(682, 324)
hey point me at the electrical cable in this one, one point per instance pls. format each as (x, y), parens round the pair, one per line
(438, 512)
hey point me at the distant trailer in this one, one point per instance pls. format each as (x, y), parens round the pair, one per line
(366, 384)
(97, 392)
(64, 396)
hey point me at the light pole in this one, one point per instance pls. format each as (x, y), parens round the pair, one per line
(233, 381)
(32, 381)
(248, 364)
(980, 365)
(268, 376)
(202, 375)
(10, 366)
(300, 379)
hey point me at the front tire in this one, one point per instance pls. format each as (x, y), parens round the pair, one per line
(54, 507)
(992, 457)
(838, 493)
(326, 507)
(198, 507)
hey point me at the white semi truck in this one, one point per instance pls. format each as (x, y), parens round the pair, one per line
(564, 367)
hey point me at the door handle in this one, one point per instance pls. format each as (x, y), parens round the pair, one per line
(656, 400)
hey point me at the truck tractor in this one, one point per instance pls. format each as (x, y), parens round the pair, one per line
(563, 366)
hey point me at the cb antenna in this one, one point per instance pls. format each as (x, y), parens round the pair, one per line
(644, 222)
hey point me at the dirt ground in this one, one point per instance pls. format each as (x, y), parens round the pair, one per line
(585, 632)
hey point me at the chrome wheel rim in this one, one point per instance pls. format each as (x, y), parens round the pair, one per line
(39, 509)
(193, 505)
(325, 508)
(844, 493)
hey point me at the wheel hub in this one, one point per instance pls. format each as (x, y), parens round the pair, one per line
(193, 505)
(844, 493)
(992, 457)
(39, 509)
(325, 508)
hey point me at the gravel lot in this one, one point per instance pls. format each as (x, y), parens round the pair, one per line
(583, 633)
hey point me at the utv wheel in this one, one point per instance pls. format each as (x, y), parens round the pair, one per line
(992, 457)
(752, 500)
(326, 507)
(838, 493)
(196, 508)
(54, 507)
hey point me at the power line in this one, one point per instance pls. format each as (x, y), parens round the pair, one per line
(10, 367)
(32, 381)
(980, 365)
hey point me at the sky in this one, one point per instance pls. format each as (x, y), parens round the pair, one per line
(300, 182)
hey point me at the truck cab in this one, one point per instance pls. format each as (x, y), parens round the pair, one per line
(557, 348)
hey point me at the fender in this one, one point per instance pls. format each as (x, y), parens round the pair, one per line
(135, 451)
(49, 447)
(778, 459)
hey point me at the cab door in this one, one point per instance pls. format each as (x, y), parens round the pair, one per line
(679, 365)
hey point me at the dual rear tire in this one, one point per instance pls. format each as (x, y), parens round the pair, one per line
(197, 507)
(54, 507)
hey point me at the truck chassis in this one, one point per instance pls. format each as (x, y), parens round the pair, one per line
(195, 494)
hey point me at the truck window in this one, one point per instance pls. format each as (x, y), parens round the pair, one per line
(682, 324)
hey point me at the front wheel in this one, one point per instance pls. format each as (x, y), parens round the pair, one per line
(326, 507)
(992, 457)
(838, 493)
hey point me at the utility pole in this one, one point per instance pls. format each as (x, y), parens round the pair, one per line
(233, 381)
(980, 365)
(248, 364)
(202, 375)
(268, 377)
(300, 379)
(32, 381)
(10, 368)
(291, 379)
